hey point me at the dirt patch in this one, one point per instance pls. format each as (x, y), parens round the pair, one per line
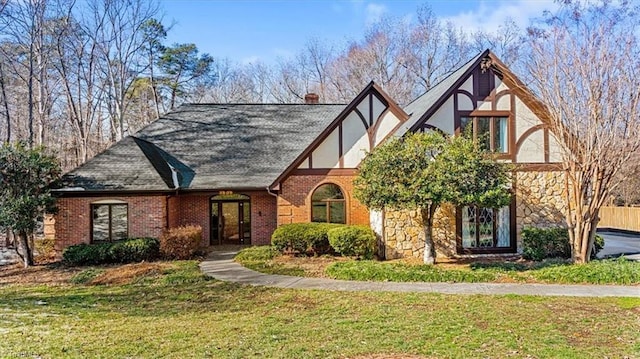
(129, 272)
(40, 274)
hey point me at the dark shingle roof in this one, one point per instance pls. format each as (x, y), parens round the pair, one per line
(209, 146)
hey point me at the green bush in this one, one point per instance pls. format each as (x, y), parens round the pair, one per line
(356, 241)
(135, 250)
(181, 242)
(541, 243)
(304, 238)
(131, 250)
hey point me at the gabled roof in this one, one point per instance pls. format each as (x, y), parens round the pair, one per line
(425, 105)
(210, 146)
(372, 87)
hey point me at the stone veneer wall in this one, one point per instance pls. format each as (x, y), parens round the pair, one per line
(539, 203)
(540, 200)
(404, 233)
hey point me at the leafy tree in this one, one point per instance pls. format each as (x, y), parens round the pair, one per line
(423, 170)
(183, 68)
(25, 179)
(584, 66)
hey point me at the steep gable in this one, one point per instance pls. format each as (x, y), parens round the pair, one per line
(367, 121)
(485, 95)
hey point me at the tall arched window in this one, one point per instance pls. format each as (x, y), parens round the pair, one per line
(327, 204)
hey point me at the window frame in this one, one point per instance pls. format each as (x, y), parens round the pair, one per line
(327, 204)
(512, 248)
(475, 117)
(110, 231)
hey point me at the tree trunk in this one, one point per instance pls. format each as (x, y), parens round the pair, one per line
(24, 250)
(6, 104)
(429, 246)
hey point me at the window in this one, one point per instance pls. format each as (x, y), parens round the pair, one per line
(109, 221)
(486, 228)
(490, 132)
(327, 204)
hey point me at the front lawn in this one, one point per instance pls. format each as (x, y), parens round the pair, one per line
(169, 309)
(617, 271)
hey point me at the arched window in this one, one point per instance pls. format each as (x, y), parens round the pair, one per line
(327, 204)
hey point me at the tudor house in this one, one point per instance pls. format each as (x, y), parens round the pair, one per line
(241, 170)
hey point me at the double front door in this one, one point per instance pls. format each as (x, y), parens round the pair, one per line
(230, 220)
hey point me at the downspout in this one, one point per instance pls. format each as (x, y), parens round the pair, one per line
(271, 193)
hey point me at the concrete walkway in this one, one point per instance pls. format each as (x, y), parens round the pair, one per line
(220, 265)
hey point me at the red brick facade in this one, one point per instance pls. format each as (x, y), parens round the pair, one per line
(149, 216)
(294, 202)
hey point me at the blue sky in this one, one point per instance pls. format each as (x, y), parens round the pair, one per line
(245, 31)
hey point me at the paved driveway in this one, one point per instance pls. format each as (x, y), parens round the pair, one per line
(616, 244)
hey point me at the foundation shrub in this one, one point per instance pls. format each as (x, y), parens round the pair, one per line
(131, 250)
(542, 243)
(303, 238)
(353, 241)
(181, 242)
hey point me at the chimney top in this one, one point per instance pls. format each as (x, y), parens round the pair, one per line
(311, 98)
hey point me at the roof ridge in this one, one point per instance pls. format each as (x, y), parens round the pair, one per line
(260, 104)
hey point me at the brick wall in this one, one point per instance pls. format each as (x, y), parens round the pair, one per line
(294, 201)
(146, 218)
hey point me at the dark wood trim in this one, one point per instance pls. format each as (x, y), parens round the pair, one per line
(443, 98)
(364, 120)
(332, 126)
(499, 95)
(487, 113)
(371, 110)
(310, 159)
(390, 103)
(526, 135)
(110, 229)
(512, 128)
(513, 245)
(325, 172)
(340, 147)
(545, 135)
(538, 167)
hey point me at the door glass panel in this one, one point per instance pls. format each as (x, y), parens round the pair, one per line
(215, 223)
(468, 227)
(485, 221)
(118, 222)
(504, 225)
(230, 222)
(100, 222)
(246, 224)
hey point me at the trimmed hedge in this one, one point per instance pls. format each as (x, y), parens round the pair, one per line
(181, 242)
(356, 241)
(303, 238)
(131, 250)
(542, 243)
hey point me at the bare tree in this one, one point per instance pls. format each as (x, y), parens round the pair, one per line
(585, 66)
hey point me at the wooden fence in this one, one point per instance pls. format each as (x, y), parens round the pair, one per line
(620, 217)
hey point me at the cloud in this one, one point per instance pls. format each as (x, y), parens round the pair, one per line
(374, 12)
(489, 16)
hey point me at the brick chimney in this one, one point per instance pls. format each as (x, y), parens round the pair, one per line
(311, 98)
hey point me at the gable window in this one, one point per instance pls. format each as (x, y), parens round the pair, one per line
(327, 204)
(490, 132)
(109, 222)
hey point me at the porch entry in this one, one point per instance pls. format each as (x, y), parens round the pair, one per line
(230, 219)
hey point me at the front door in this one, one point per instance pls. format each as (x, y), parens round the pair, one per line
(230, 219)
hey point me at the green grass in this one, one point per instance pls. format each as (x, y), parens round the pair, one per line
(401, 272)
(619, 271)
(180, 313)
(260, 258)
(612, 271)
